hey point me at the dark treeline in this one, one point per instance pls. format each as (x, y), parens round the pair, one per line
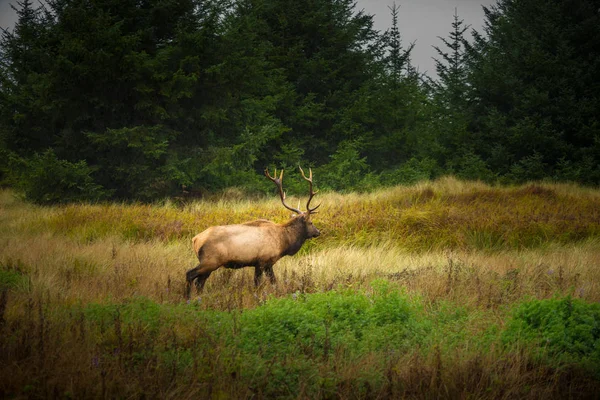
(141, 99)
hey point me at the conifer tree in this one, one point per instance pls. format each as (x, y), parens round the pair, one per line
(451, 83)
(535, 90)
(454, 146)
(23, 87)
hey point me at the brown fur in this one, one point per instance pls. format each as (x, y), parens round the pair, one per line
(258, 244)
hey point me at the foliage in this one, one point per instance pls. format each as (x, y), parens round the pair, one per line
(410, 172)
(564, 329)
(533, 86)
(472, 167)
(11, 279)
(46, 179)
(347, 168)
(313, 325)
(134, 160)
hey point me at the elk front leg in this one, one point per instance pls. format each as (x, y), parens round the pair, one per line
(258, 272)
(270, 274)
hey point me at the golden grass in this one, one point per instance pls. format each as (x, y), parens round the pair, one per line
(446, 214)
(68, 270)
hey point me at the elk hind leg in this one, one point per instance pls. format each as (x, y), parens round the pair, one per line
(199, 274)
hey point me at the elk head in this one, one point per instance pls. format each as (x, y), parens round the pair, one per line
(302, 216)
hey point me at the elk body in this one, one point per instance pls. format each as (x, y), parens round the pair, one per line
(259, 244)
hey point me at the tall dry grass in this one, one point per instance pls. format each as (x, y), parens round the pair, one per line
(110, 268)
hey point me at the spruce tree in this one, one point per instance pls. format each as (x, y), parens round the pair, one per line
(454, 147)
(535, 91)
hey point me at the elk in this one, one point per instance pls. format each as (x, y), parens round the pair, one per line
(259, 244)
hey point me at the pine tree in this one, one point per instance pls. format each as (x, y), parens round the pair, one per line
(454, 147)
(398, 59)
(23, 87)
(384, 119)
(451, 70)
(105, 82)
(535, 88)
(324, 49)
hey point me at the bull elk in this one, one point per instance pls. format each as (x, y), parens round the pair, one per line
(259, 244)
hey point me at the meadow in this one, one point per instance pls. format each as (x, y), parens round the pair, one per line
(444, 289)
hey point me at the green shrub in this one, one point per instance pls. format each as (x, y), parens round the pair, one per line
(12, 280)
(46, 179)
(530, 168)
(412, 171)
(472, 167)
(347, 168)
(314, 324)
(584, 171)
(566, 330)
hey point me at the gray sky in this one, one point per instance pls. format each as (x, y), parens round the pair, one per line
(7, 15)
(419, 20)
(422, 21)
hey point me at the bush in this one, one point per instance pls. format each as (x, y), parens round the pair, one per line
(315, 324)
(413, 171)
(346, 169)
(472, 167)
(46, 179)
(584, 171)
(565, 330)
(530, 168)
(12, 280)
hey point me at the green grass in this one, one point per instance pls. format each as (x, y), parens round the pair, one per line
(443, 289)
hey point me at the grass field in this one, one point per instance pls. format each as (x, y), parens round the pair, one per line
(445, 289)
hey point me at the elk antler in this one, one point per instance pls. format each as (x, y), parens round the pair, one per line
(279, 182)
(310, 189)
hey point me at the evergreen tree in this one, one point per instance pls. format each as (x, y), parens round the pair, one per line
(451, 84)
(449, 121)
(388, 113)
(104, 81)
(398, 58)
(323, 48)
(23, 87)
(535, 92)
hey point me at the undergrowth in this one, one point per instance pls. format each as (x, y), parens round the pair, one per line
(562, 330)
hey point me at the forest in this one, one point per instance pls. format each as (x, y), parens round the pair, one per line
(143, 100)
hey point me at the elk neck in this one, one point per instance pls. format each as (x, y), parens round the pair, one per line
(294, 235)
